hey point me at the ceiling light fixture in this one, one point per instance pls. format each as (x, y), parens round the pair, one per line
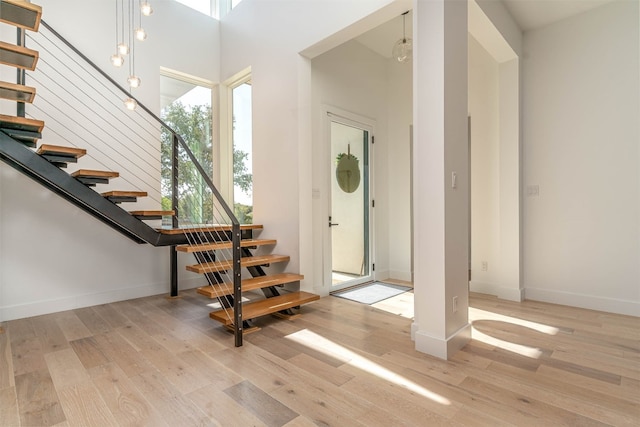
(403, 49)
(130, 103)
(127, 34)
(117, 60)
(141, 34)
(145, 8)
(134, 81)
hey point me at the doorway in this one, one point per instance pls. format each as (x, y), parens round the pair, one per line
(350, 214)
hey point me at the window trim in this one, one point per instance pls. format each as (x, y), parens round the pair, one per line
(226, 131)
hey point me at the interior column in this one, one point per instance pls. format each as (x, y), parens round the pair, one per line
(441, 177)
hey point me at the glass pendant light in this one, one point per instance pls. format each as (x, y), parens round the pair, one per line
(127, 36)
(403, 49)
(134, 81)
(123, 49)
(145, 8)
(141, 34)
(130, 103)
(117, 60)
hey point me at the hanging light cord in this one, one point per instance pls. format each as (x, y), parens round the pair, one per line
(131, 41)
(116, 27)
(404, 23)
(122, 26)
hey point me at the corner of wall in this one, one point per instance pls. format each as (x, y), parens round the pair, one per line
(437, 347)
(503, 292)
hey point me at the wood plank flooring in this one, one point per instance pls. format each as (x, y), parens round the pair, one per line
(159, 362)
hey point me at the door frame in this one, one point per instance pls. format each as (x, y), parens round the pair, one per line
(334, 114)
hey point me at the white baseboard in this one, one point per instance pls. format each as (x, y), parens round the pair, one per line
(381, 275)
(438, 347)
(37, 308)
(610, 305)
(502, 292)
(400, 275)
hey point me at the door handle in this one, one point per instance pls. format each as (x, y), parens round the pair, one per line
(331, 224)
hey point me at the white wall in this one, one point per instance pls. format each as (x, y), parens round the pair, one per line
(351, 78)
(282, 131)
(400, 118)
(581, 140)
(54, 256)
(485, 173)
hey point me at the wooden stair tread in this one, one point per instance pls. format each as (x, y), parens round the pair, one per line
(125, 194)
(86, 173)
(221, 289)
(152, 213)
(250, 261)
(266, 306)
(18, 56)
(208, 228)
(64, 151)
(21, 123)
(16, 92)
(21, 14)
(224, 245)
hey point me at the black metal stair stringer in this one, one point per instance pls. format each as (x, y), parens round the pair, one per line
(42, 171)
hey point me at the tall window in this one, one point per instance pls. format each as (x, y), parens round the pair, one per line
(204, 6)
(216, 8)
(186, 108)
(242, 151)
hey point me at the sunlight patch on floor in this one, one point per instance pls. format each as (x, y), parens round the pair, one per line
(400, 305)
(477, 314)
(520, 349)
(319, 343)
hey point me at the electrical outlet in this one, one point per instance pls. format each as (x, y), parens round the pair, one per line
(455, 304)
(485, 266)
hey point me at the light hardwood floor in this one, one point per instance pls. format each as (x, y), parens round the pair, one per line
(159, 362)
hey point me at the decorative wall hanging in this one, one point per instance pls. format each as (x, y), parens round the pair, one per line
(348, 171)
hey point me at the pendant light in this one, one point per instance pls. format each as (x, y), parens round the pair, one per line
(133, 80)
(141, 34)
(127, 34)
(145, 8)
(130, 103)
(403, 49)
(117, 59)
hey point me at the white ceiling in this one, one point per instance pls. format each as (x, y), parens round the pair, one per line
(528, 14)
(381, 39)
(531, 14)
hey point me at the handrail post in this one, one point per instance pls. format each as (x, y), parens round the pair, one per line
(174, 178)
(174, 206)
(21, 74)
(237, 280)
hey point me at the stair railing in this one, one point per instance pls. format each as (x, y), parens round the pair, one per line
(177, 144)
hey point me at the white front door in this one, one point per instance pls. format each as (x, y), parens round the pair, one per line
(349, 221)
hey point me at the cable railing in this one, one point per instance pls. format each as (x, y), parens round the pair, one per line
(82, 106)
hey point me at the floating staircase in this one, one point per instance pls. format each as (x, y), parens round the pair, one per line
(211, 245)
(277, 301)
(27, 131)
